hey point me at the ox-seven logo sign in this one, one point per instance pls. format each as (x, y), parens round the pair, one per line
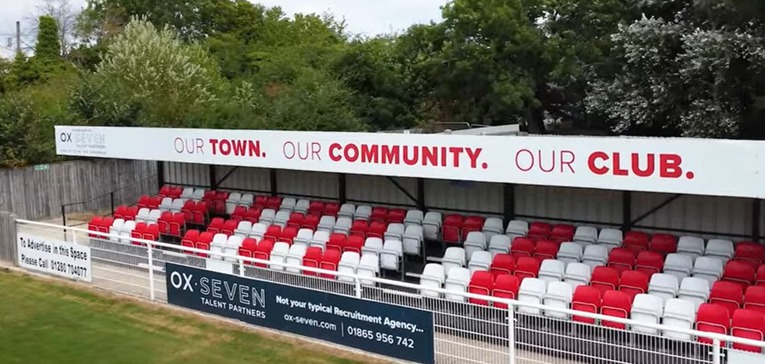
(691, 166)
(394, 331)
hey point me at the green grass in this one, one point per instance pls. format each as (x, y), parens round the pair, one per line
(44, 321)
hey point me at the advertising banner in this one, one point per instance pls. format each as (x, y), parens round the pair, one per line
(390, 330)
(55, 257)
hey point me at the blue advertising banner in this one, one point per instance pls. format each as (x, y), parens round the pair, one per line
(390, 330)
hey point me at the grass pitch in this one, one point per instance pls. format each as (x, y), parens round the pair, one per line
(46, 321)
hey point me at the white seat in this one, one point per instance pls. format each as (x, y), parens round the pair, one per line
(177, 204)
(493, 226)
(198, 195)
(586, 235)
(327, 223)
(347, 210)
(517, 227)
(166, 204)
(257, 231)
(363, 212)
(479, 261)
(267, 216)
(232, 247)
(187, 192)
(612, 237)
(678, 265)
(695, 290)
(709, 268)
(116, 229)
(372, 246)
(232, 201)
(288, 204)
(295, 257)
(395, 231)
(475, 241)
(216, 251)
(143, 215)
(559, 295)
(127, 231)
(454, 257)
(391, 255)
(678, 313)
(154, 216)
(646, 308)
(247, 200)
(320, 239)
(664, 285)
(720, 248)
(342, 225)
(433, 276)
(349, 262)
(552, 270)
(304, 236)
(594, 255)
(244, 228)
(431, 225)
(413, 238)
(690, 245)
(499, 244)
(578, 274)
(414, 217)
(369, 266)
(570, 253)
(302, 206)
(281, 218)
(532, 290)
(457, 280)
(219, 239)
(279, 254)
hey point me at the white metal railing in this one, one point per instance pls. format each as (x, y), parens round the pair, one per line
(465, 332)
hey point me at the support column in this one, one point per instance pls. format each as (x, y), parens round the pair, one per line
(213, 178)
(756, 218)
(626, 211)
(508, 191)
(421, 194)
(341, 188)
(160, 174)
(273, 182)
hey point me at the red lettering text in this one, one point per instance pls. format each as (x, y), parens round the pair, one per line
(639, 165)
(237, 147)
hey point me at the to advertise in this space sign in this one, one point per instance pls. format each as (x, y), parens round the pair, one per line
(55, 257)
(692, 166)
(389, 330)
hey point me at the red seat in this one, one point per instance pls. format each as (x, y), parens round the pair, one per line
(106, 224)
(164, 222)
(137, 233)
(354, 244)
(188, 210)
(472, 223)
(546, 249)
(248, 248)
(379, 214)
(330, 261)
(605, 278)
(296, 220)
(240, 212)
(337, 241)
(274, 232)
(260, 201)
(739, 272)
(359, 228)
(502, 264)
(616, 304)
(274, 203)
(621, 259)
(144, 201)
(649, 263)
(228, 227)
(505, 286)
(216, 225)
(396, 216)
(312, 258)
(633, 282)
(752, 252)
(263, 252)
(331, 208)
(664, 243)
(190, 238)
(526, 267)
(152, 232)
(522, 247)
(377, 229)
(203, 243)
(754, 299)
(178, 225)
(154, 202)
(288, 234)
(119, 212)
(748, 324)
(712, 318)
(200, 214)
(311, 222)
(562, 233)
(727, 294)
(636, 240)
(451, 229)
(539, 230)
(586, 299)
(482, 283)
(253, 214)
(94, 224)
(316, 207)
(760, 279)
(218, 205)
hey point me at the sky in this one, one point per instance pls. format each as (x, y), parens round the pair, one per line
(369, 17)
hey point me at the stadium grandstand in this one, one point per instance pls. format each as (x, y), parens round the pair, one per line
(526, 249)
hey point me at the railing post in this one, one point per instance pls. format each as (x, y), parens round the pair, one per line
(150, 251)
(358, 286)
(511, 333)
(241, 267)
(111, 198)
(63, 219)
(716, 354)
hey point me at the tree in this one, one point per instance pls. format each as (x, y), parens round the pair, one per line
(65, 15)
(48, 46)
(104, 18)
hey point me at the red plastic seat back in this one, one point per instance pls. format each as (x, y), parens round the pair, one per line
(562, 232)
(288, 234)
(621, 259)
(546, 249)
(377, 229)
(379, 214)
(354, 244)
(636, 240)
(229, 226)
(263, 252)
(522, 247)
(505, 286)
(311, 222)
(727, 294)
(482, 283)
(330, 261)
(586, 299)
(526, 267)
(754, 299)
(760, 279)
(664, 243)
(712, 318)
(312, 258)
(649, 263)
(502, 264)
(750, 252)
(540, 230)
(633, 282)
(616, 304)
(396, 216)
(739, 272)
(748, 324)
(605, 278)
(337, 241)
